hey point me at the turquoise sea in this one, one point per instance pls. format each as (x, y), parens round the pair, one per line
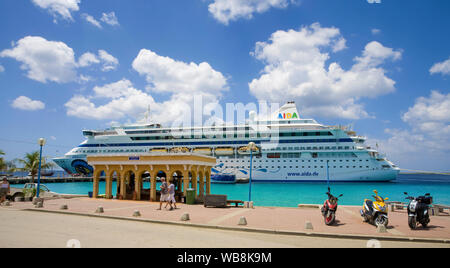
(292, 194)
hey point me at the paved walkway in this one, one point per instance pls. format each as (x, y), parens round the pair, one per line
(57, 230)
(265, 219)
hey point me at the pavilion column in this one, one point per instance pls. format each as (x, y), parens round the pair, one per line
(108, 190)
(153, 187)
(185, 182)
(202, 185)
(194, 183)
(138, 186)
(208, 182)
(96, 182)
(123, 186)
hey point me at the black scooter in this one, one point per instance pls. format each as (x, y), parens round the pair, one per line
(418, 210)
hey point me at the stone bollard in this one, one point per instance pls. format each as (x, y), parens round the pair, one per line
(381, 229)
(37, 200)
(99, 210)
(64, 207)
(308, 225)
(250, 204)
(242, 221)
(246, 204)
(136, 213)
(39, 204)
(185, 217)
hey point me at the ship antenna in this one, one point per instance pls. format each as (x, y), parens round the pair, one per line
(147, 114)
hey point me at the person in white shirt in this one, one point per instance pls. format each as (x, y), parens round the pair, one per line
(4, 190)
(171, 199)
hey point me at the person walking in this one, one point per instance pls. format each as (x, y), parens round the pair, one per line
(171, 199)
(4, 190)
(164, 192)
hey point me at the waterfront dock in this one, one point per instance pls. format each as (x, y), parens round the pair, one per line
(23, 180)
(272, 220)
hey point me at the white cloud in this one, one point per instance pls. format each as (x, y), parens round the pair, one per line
(55, 61)
(110, 18)
(27, 104)
(167, 75)
(374, 1)
(376, 31)
(229, 10)
(44, 60)
(426, 143)
(296, 69)
(91, 20)
(441, 67)
(87, 59)
(431, 115)
(109, 62)
(2, 69)
(124, 102)
(59, 8)
(182, 81)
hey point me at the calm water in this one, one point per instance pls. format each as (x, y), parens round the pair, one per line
(292, 194)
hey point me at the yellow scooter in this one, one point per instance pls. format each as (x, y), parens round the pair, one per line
(375, 212)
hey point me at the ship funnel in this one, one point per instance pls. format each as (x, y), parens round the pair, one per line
(287, 112)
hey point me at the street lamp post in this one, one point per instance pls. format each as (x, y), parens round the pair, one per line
(251, 147)
(41, 144)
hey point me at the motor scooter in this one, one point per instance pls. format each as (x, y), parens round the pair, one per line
(375, 212)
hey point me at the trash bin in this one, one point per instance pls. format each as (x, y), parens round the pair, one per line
(90, 194)
(190, 196)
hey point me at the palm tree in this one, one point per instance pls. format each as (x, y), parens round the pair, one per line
(2, 162)
(31, 164)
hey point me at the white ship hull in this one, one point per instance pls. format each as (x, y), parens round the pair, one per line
(304, 151)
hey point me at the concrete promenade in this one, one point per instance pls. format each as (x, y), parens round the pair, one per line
(267, 220)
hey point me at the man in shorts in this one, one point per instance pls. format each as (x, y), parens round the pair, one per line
(164, 192)
(4, 190)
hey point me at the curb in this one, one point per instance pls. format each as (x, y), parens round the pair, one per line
(254, 230)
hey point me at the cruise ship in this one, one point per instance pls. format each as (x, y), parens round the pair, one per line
(288, 149)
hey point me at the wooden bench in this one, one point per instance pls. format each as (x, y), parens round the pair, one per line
(235, 202)
(215, 200)
(439, 209)
(396, 205)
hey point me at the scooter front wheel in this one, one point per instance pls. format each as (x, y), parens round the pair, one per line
(380, 220)
(412, 222)
(329, 219)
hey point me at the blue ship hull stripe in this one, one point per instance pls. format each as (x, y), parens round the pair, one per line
(206, 143)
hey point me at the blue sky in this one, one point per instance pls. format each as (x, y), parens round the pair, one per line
(384, 68)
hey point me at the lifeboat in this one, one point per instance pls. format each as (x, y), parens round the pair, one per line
(179, 150)
(159, 150)
(224, 151)
(245, 150)
(206, 151)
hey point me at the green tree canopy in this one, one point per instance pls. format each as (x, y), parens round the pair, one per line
(31, 164)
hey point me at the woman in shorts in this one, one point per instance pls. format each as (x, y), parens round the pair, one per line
(4, 190)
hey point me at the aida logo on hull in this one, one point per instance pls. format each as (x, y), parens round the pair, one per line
(288, 116)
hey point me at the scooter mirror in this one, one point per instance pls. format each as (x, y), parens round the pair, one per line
(375, 191)
(341, 195)
(405, 193)
(428, 194)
